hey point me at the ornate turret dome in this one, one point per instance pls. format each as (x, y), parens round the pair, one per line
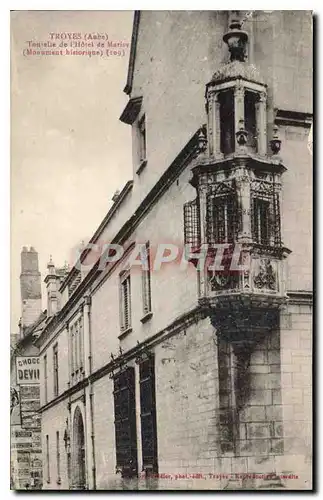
(237, 40)
(237, 69)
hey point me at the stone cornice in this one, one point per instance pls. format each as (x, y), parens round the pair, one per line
(133, 50)
(127, 188)
(255, 162)
(300, 297)
(294, 118)
(131, 110)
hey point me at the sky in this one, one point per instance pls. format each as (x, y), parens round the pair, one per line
(69, 151)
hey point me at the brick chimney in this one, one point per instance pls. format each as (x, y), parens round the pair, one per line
(30, 287)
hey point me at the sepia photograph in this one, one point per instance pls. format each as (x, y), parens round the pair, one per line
(161, 172)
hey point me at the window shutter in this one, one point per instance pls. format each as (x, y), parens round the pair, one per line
(125, 302)
(146, 284)
(125, 422)
(192, 224)
(148, 414)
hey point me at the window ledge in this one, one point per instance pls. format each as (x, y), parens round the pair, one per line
(142, 165)
(124, 333)
(146, 317)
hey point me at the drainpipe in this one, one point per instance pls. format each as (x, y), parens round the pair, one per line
(233, 377)
(88, 371)
(91, 404)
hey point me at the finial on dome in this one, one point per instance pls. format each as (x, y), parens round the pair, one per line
(236, 38)
(50, 263)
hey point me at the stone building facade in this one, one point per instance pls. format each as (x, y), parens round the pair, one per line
(177, 376)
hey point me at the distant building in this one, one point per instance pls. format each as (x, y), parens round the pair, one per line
(30, 287)
(26, 453)
(169, 378)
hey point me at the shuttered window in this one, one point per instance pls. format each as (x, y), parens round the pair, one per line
(55, 369)
(81, 347)
(148, 415)
(125, 297)
(125, 422)
(77, 350)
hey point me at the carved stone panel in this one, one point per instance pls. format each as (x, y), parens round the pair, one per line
(264, 274)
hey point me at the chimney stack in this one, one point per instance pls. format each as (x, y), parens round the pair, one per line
(51, 281)
(30, 287)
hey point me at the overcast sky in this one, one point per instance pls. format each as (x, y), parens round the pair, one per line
(69, 151)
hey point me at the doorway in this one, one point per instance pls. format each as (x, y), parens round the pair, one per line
(78, 461)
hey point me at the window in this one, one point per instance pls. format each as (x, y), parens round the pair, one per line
(77, 349)
(125, 293)
(72, 350)
(55, 369)
(76, 361)
(45, 379)
(142, 139)
(227, 137)
(47, 459)
(148, 415)
(81, 346)
(58, 459)
(261, 221)
(125, 422)
(221, 219)
(146, 282)
(250, 119)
